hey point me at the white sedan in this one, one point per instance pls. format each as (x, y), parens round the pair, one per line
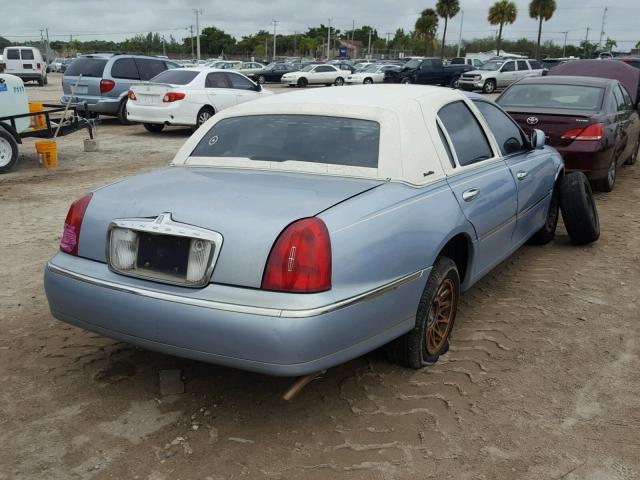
(318, 74)
(188, 96)
(374, 73)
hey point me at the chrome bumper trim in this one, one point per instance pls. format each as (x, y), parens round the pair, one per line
(232, 307)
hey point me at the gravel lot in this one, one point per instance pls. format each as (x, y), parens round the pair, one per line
(542, 380)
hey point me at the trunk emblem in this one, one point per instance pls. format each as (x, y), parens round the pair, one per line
(532, 120)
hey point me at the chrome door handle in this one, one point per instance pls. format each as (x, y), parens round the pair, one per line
(521, 175)
(470, 194)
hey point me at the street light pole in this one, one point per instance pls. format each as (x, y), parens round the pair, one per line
(275, 24)
(564, 47)
(198, 12)
(329, 41)
(460, 34)
(369, 48)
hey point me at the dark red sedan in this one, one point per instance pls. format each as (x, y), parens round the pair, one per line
(592, 122)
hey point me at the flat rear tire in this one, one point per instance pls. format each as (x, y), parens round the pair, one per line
(579, 211)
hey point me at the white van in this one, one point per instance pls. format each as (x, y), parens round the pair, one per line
(26, 63)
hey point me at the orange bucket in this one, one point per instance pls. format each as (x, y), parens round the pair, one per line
(47, 151)
(38, 122)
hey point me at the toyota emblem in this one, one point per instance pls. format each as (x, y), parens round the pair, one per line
(532, 120)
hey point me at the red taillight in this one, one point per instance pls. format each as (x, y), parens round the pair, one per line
(38, 65)
(3, 67)
(300, 260)
(173, 97)
(595, 131)
(72, 224)
(131, 95)
(106, 85)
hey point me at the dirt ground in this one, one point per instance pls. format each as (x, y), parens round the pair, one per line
(542, 380)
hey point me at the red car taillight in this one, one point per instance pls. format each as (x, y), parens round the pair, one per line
(595, 131)
(300, 260)
(106, 85)
(72, 224)
(173, 97)
(3, 67)
(131, 95)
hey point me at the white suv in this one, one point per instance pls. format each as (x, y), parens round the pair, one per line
(500, 74)
(26, 63)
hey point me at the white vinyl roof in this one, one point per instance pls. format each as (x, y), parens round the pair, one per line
(410, 147)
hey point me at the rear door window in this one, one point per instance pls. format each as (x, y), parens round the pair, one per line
(627, 98)
(535, 65)
(27, 54)
(125, 68)
(149, 68)
(469, 141)
(240, 82)
(509, 67)
(507, 133)
(620, 103)
(522, 65)
(13, 54)
(86, 66)
(216, 80)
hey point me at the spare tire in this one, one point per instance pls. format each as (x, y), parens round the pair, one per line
(578, 208)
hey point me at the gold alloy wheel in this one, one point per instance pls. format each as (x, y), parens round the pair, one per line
(441, 315)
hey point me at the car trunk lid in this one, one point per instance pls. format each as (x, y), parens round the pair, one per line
(248, 208)
(152, 94)
(552, 122)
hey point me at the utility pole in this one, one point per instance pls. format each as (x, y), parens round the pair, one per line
(198, 12)
(275, 24)
(266, 47)
(295, 44)
(164, 48)
(48, 50)
(191, 38)
(353, 28)
(369, 48)
(329, 41)
(586, 43)
(460, 34)
(604, 19)
(564, 47)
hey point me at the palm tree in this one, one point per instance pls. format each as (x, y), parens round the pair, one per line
(427, 26)
(446, 9)
(541, 10)
(500, 13)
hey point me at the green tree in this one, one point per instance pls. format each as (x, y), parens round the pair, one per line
(541, 10)
(214, 41)
(609, 44)
(447, 9)
(500, 13)
(638, 45)
(426, 28)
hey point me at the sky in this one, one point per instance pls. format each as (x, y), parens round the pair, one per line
(118, 19)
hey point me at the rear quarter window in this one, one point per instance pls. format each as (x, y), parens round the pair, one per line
(149, 68)
(87, 67)
(125, 68)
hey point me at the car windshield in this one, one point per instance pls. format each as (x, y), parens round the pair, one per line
(302, 138)
(571, 97)
(175, 77)
(492, 65)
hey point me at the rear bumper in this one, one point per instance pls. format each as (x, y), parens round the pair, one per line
(29, 76)
(173, 114)
(249, 337)
(104, 106)
(588, 157)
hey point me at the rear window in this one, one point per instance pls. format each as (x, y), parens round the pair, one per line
(13, 54)
(87, 67)
(304, 138)
(553, 96)
(175, 77)
(27, 54)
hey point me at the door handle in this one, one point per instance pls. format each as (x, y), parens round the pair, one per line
(470, 194)
(521, 175)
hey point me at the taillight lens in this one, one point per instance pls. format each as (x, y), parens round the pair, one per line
(173, 97)
(106, 85)
(38, 65)
(72, 224)
(3, 66)
(131, 95)
(300, 260)
(595, 131)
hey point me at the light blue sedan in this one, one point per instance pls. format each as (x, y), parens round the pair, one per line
(299, 231)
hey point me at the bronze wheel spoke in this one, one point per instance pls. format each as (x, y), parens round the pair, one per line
(440, 317)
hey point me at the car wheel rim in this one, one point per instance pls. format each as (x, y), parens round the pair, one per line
(5, 152)
(611, 173)
(260, 79)
(203, 117)
(489, 87)
(441, 315)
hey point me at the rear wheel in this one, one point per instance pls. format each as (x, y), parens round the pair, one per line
(303, 82)
(339, 82)
(634, 156)
(122, 113)
(489, 86)
(455, 82)
(579, 208)
(608, 182)
(8, 151)
(261, 79)
(436, 314)
(154, 127)
(204, 114)
(548, 231)
(368, 81)
(41, 81)
(405, 81)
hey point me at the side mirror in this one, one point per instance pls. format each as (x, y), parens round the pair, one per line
(537, 139)
(258, 87)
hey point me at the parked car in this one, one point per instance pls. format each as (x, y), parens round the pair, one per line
(56, 65)
(374, 73)
(344, 66)
(26, 63)
(106, 79)
(472, 62)
(427, 71)
(633, 61)
(225, 64)
(262, 247)
(358, 67)
(592, 122)
(497, 74)
(322, 74)
(249, 67)
(272, 73)
(188, 96)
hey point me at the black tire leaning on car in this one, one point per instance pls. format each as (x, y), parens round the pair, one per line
(634, 156)
(435, 317)
(489, 86)
(548, 231)
(154, 127)
(8, 151)
(579, 211)
(122, 113)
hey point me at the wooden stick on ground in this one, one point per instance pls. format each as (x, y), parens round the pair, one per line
(299, 384)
